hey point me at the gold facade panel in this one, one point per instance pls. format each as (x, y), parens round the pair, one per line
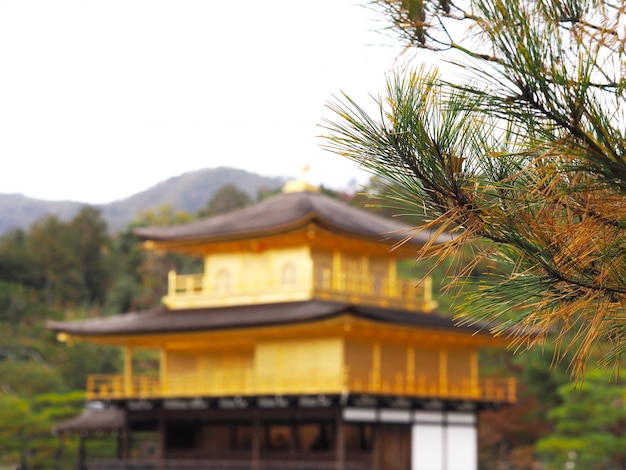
(393, 366)
(459, 371)
(427, 369)
(359, 359)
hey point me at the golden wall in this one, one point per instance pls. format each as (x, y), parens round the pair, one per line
(272, 267)
(324, 364)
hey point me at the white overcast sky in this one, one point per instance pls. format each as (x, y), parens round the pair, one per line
(102, 99)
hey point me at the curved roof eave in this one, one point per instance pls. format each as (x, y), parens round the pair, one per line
(284, 213)
(162, 321)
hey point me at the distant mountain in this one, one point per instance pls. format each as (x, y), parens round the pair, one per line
(19, 211)
(188, 192)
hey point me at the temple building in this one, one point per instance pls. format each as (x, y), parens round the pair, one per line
(298, 347)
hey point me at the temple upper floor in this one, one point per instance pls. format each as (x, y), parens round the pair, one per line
(298, 273)
(296, 246)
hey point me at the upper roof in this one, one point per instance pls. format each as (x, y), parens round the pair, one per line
(162, 320)
(284, 213)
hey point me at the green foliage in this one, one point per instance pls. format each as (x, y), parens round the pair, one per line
(78, 360)
(589, 426)
(163, 215)
(141, 275)
(17, 423)
(227, 199)
(89, 250)
(28, 378)
(16, 261)
(129, 290)
(132, 288)
(64, 262)
(53, 268)
(25, 426)
(17, 302)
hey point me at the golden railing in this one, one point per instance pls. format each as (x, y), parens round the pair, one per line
(199, 290)
(225, 383)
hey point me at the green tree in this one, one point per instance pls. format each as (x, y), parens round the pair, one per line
(163, 215)
(64, 261)
(15, 429)
(77, 360)
(139, 277)
(16, 261)
(522, 155)
(52, 270)
(89, 243)
(227, 199)
(25, 436)
(590, 426)
(508, 436)
(49, 246)
(28, 378)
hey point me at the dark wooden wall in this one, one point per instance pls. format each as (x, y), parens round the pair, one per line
(392, 447)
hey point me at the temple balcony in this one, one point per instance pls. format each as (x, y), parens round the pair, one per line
(201, 290)
(226, 383)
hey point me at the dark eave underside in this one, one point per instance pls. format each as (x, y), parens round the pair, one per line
(160, 320)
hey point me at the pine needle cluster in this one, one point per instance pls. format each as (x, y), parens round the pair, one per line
(522, 158)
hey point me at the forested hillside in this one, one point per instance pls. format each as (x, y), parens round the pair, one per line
(72, 269)
(79, 268)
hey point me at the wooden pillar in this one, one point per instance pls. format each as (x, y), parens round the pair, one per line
(443, 372)
(427, 282)
(119, 444)
(474, 389)
(392, 276)
(340, 443)
(295, 439)
(58, 453)
(171, 283)
(256, 442)
(410, 369)
(163, 372)
(376, 368)
(337, 275)
(81, 461)
(365, 282)
(128, 371)
(162, 433)
(125, 440)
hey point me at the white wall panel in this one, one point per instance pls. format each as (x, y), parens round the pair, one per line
(461, 447)
(427, 447)
(428, 417)
(395, 416)
(462, 417)
(360, 414)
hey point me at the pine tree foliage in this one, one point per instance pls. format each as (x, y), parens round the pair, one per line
(589, 426)
(522, 157)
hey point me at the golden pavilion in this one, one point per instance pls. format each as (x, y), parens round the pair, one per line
(298, 347)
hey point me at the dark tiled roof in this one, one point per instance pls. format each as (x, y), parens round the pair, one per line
(91, 421)
(285, 212)
(161, 320)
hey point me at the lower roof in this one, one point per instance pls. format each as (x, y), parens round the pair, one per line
(161, 320)
(92, 421)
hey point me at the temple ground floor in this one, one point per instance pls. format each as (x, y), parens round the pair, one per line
(263, 433)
